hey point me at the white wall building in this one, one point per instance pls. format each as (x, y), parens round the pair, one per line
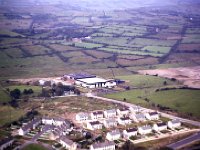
(103, 146)
(160, 126)
(129, 132)
(123, 111)
(53, 121)
(144, 129)
(173, 124)
(95, 125)
(152, 116)
(124, 120)
(97, 115)
(138, 117)
(113, 135)
(110, 113)
(68, 144)
(82, 116)
(110, 123)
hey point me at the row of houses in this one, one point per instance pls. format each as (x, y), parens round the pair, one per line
(113, 113)
(147, 129)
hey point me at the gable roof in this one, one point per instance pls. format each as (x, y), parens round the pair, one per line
(140, 116)
(110, 111)
(97, 113)
(161, 124)
(105, 144)
(114, 132)
(30, 124)
(131, 130)
(81, 76)
(175, 121)
(153, 113)
(94, 122)
(146, 127)
(66, 140)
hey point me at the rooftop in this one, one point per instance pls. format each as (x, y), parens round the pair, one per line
(92, 80)
(66, 140)
(131, 130)
(105, 144)
(95, 123)
(114, 132)
(81, 75)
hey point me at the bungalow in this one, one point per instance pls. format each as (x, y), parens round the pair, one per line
(129, 132)
(5, 143)
(95, 125)
(82, 116)
(68, 144)
(144, 129)
(138, 117)
(124, 120)
(113, 135)
(110, 113)
(160, 126)
(135, 109)
(123, 111)
(110, 123)
(103, 146)
(97, 115)
(152, 116)
(173, 124)
(53, 121)
(30, 125)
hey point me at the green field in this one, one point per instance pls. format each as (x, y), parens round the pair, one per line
(87, 45)
(4, 97)
(186, 101)
(34, 147)
(157, 49)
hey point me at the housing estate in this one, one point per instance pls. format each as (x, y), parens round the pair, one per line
(110, 113)
(110, 123)
(124, 120)
(152, 116)
(82, 116)
(144, 129)
(94, 125)
(103, 146)
(160, 126)
(5, 143)
(68, 144)
(129, 132)
(113, 135)
(97, 115)
(173, 124)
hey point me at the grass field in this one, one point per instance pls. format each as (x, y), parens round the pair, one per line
(36, 89)
(186, 101)
(4, 97)
(5, 112)
(34, 147)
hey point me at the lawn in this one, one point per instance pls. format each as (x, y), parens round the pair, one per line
(146, 81)
(88, 45)
(36, 89)
(4, 96)
(34, 147)
(186, 101)
(157, 49)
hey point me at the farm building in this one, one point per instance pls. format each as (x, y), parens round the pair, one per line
(113, 135)
(103, 146)
(90, 81)
(129, 132)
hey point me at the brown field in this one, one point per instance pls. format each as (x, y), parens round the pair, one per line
(189, 76)
(189, 47)
(98, 54)
(59, 47)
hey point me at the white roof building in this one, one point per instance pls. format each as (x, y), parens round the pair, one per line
(123, 111)
(97, 115)
(53, 121)
(113, 135)
(110, 123)
(160, 126)
(95, 125)
(152, 116)
(68, 144)
(144, 129)
(173, 124)
(82, 116)
(124, 120)
(138, 117)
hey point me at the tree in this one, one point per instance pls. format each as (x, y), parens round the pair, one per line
(165, 83)
(16, 93)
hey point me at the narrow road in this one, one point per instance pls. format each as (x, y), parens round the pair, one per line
(195, 123)
(185, 142)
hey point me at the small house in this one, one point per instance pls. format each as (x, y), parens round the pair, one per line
(124, 120)
(94, 125)
(123, 111)
(82, 116)
(144, 129)
(160, 126)
(97, 115)
(113, 135)
(110, 123)
(129, 132)
(152, 116)
(138, 117)
(103, 146)
(110, 113)
(173, 124)
(68, 144)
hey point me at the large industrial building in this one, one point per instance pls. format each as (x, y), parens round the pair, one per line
(90, 81)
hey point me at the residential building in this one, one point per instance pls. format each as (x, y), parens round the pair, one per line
(82, 116)
(138, 117)
(30, 125)
(135, 109)
(173, 124)
(5, 143)
(111, 113)
(95, 125)
(124, 120)
(160, 126)
(129, 132)
(123, 111)
(113, 135)
(53, 121)
(68, 144)
(152, 116)
(110, 123)
(144, 129)
(103, 146)
(97, 115)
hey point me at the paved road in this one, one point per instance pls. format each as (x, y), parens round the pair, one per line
(195, 123)
(182, 143)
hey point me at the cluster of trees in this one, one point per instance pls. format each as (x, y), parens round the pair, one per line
(16, 93)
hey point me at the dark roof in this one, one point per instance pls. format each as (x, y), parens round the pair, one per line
(81, 75)
(94, 122)
(161, 124)
(125, 118)
(66, 140)
(131, 130)
(97, 113)
(123, 109)
(153, 113)
(105, 144)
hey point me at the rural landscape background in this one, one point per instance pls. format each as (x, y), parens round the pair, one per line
(109, 38)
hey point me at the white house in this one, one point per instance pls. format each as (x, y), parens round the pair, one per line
(160, 126)
(144, 129)
(173, 124)
(138, 117)
(103, 146)
(113, 135)
(30, 125)
(152, 116)
(53, 121)
(111, 113)
(124, 120)
(68, 144)
(129, 132)
(95, 125)
(123, 111)
(5, 143)
(135, 109)
(110, 123)
(97, 115)
(82, 116)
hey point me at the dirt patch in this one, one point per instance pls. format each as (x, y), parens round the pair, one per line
(189, 76)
